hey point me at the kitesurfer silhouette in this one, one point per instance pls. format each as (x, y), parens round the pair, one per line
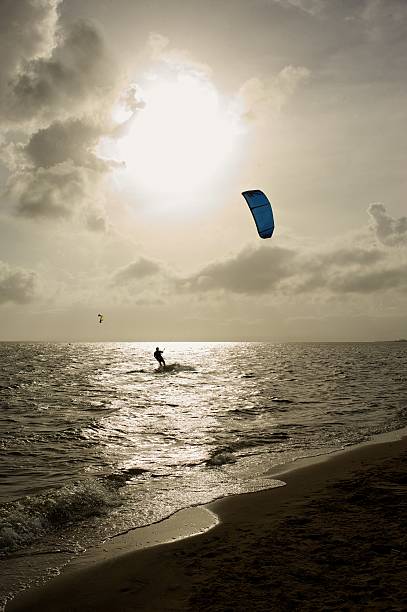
(159, 356)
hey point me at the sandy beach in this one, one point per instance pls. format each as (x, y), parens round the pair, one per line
(333, 538)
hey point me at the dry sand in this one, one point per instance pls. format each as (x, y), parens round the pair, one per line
(332, 539)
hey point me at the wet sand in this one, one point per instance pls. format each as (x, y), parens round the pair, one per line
(333, 538)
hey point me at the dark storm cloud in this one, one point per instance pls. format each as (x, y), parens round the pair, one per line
(390, 231)
(16, 285)
(142, 268)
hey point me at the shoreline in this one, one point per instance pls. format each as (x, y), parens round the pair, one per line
(126, 579)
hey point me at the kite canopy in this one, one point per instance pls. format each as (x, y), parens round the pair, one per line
(261, 210)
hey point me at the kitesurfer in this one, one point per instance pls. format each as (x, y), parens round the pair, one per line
(159, 356)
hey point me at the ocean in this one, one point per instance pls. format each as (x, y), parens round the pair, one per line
(96, 440)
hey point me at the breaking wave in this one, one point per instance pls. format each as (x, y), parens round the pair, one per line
(24, 521)
(220, 458)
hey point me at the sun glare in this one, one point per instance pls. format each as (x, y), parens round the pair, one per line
(183, 137)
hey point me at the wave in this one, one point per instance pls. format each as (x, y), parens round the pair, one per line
(33, 439)
(121, 477)
(174, 368)
(226, 453)
(24, 521)
(220, 458)
(282, 400)
(171, 367)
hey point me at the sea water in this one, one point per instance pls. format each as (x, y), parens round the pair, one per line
(97, 440)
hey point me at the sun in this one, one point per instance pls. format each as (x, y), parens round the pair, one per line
(184, 137)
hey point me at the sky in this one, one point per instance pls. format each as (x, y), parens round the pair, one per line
(128, 131)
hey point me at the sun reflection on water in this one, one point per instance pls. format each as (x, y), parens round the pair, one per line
(163, 419)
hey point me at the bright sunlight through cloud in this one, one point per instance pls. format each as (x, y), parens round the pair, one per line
(181, 139)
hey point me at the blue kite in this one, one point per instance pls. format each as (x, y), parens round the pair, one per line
(261, 210)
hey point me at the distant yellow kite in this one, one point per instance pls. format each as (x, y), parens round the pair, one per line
(100, 318)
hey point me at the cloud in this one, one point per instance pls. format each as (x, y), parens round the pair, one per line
(313, 7)
(157, 44)
(251, 272)
(16, 285)
(72, 140)
(339, 257)
(55, 106)
(325, 272)
(27, 31)
(259, 97)
(266, 270)
(384, 19)
(329, 269)
(140, 269)
(176, 59)
(370, 281)
(389, 231)
(131, 102)
(369, 271)
(384, 11)
(131, 99)
(77, 74)
(96, 221)
(56, 192)
(58, 174)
